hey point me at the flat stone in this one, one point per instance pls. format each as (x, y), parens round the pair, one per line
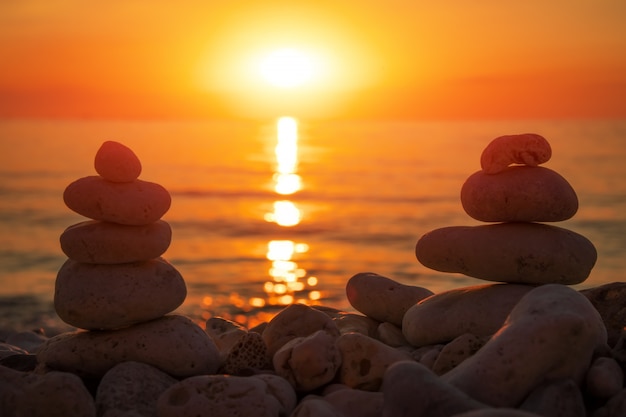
(480, 310)
(173, 344)
(225, 395)
(131, 387)
(132, 203)
(365, 360)
(116, 162)
(527, 149)
(54, 394)
(529, 253)
(296, 320)
(551, 334)
(92, 296)
(381, 298)
(519, 194)
(97, 242)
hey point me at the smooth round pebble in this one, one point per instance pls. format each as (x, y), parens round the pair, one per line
(381, 298)
(479, 309)
(132, 203)
(519, 194)
(97, 242)
(551, 334)
(92, 296)
(173, 344)
(529, 253)
(116, 162)
(527, 148)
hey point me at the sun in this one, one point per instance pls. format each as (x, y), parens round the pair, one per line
(288, 68)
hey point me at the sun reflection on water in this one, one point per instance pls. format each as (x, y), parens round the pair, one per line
(289, 283)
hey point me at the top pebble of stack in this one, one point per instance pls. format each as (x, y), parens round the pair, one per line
(525, 149)
(117, 163)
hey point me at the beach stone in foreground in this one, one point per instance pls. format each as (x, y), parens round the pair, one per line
(133, 203)
(225, 395)
(529, 253)
(381, 298)
(410, 389)
(92, 296)
(519, 194)
(116, 162)
(296, 320)
(131, 387)
(99, 242)
(173, 344)
(551, 334)
(54, 394)
(480, 310)
(527, 149)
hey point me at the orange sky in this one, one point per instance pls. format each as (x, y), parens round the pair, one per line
(392, 59)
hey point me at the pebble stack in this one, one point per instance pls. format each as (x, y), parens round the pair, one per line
(115, 283)
(526, 344)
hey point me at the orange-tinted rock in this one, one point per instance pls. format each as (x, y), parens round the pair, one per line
(116, 162)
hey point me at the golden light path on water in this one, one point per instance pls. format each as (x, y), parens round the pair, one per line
(289, 283)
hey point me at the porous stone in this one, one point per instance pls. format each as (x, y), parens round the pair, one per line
(456, 352)
(116, 162)
(97, 242)
(131, 387)
(133, 203)
(519, 194)
(225, 333)
(381, 298)
(530, 253)
(479, 309)
(558, 398)
(410, 389)
(604, 378)
(223, 395)
(54, 394)
(610, 301)
(308, 362)
(551, 333)
(173, 344)
(364, 361)
(248, 353)
(296, 320)
(527, 149)
(93, 296)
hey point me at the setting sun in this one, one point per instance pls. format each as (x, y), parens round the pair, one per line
(288, 67)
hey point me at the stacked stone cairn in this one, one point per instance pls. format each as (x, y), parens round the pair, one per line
(525, 344)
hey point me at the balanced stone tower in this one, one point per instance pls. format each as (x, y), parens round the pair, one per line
(115, 283)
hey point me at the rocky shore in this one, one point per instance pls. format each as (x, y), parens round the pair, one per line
(524, 343)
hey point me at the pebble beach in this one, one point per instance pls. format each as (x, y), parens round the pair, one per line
(521, 343)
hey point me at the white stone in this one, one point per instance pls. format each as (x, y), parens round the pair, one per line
(173, 344)
(97, 242)
(528, 149)
(381, 298)
(93, 296)
(528, 253)
(308, 362)
(551, 333)
(133, 203)
(116, 162)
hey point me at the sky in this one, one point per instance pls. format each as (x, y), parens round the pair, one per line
(398, 59)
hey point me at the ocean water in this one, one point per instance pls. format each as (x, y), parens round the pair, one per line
(265, 214)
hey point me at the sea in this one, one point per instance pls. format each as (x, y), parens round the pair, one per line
(273, 212)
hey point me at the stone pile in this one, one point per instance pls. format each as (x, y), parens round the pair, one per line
(115, 283)
(525, 345)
